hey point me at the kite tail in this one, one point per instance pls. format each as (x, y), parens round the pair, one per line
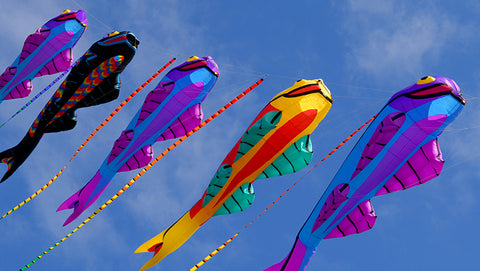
(22, 89)
(85, 197)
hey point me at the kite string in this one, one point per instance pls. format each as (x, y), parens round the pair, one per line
(91, 15)
(132, 181)
(90, 136)
(41, 92)
(296, 78)
(278, 198)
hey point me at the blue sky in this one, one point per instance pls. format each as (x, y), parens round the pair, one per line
(364, 50)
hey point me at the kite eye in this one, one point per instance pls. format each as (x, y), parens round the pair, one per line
(66, 11)
(192, 58)
(113, 34)
(425, 80)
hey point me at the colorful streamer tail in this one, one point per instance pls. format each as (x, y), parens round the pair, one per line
(90, 137)
(275, 201)
(132, 181)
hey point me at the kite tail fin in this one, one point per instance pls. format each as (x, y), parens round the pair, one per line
(14, 157)
(153, 245)
(85, 197)
(22, 89)
(8, 157)
(297, 259)
(170, 239)
(70, 202)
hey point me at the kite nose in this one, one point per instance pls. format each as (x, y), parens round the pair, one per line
(212, 65)
(133, 40)
(81, 17)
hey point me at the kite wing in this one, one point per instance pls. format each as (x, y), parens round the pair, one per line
(276, 143)
(90, 82)
(47, 51)
(399, 150)
(171, 110)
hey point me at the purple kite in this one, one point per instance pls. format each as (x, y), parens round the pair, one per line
(399, 150)
(171, 110)
(47, 51)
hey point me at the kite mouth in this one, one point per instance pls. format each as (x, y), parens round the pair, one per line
(436, 90)
(306, 90)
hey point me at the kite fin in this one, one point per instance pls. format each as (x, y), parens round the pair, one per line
(380, 138)
(32, 42)
(120, 144)
(360, 219)
(102, 85)
(108, 90)
(85, 197)
(334, 200)
(257, 131)
(139, 159)
(24, 88)
(7, 75)
(61, 62)
(240, 200)
(21, 90)
(216, 184)
(421, 167)
(154, 99)
(293, 159)
(66, 122)
(190, 119)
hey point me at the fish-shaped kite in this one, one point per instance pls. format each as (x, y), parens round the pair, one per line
(171, 110)
(399, 150)
(276, 143)
(47, 51)
(94, 80)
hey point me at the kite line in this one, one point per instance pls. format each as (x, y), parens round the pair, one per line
(279, 197)
(41, 92)
(90, 137)
(134, 179)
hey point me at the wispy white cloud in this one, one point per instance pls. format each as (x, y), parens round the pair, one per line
(388, 37)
